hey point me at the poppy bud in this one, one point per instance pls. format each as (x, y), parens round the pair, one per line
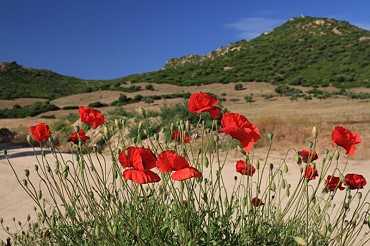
(187, 126)
(114, 231)
(52, 220)
(182, 126)
(140, 126)
(95, 148)
(215, 138)
(297, 159)
(286, 168)
(106, 132)
(97, 230)
(359, 195)
(271, 166)
(283, 184)
(205, 162)
(336, 154)
(287, 192)
(244, 201)
(342, 178)
(142, 112)
(39, 194)
(324, 230)
(156, 136)
(27, 173)
(257, 164)
(24, 182)
(314, 133)
(117, 123)
(5, 152)
(273, 186)
(1, 220)
(235, 178)
(270, 135)
(29, 140)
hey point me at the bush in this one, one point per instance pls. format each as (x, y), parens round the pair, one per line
(97, 105)
(238, 87)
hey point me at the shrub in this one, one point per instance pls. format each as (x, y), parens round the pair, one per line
(97, 105)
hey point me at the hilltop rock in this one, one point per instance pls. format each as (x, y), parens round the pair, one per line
(9, 66)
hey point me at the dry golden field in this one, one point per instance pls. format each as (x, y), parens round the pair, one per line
(290, 121)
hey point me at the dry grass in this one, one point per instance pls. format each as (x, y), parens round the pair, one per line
(291, 122)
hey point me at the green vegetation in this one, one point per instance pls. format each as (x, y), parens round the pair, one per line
(32, 110)
(304, 51)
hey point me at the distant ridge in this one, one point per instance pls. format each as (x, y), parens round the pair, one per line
(304, 51)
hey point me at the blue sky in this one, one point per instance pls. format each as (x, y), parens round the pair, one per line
(99, 39)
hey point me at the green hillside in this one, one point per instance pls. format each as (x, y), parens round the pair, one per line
(304, 51)
(16, 82)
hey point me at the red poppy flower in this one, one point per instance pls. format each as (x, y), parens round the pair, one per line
(238, 127)
(256, 202)
(137, 157)
(308, 154)
(139, 161)
(74, 137)
(169, 161)
(310, 173)
(40, 132)
(346, 139)
(91, 116)
(200, 102)
(355, 181)
(245, 168)
(178, 136)
(333, 183)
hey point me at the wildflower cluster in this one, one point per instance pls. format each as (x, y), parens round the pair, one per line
(163, 192)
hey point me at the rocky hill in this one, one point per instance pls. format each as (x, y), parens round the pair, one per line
(304, 51)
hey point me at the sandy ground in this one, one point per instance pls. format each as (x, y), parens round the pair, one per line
(16, 203)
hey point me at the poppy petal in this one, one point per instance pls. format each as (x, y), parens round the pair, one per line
(186, 173)
(141, 177)
(169, 161)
